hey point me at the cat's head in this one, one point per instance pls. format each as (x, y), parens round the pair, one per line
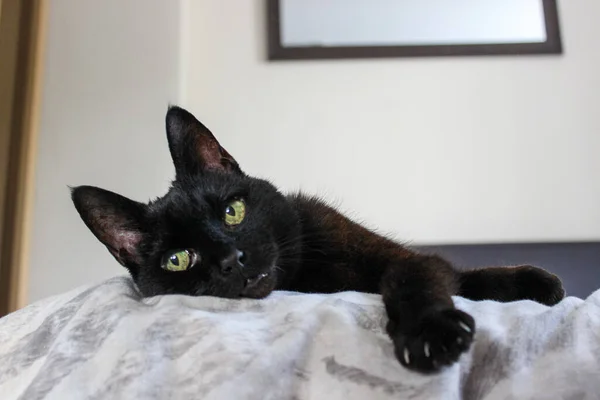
(216, 232)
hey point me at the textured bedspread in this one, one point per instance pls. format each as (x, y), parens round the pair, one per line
(105, 342)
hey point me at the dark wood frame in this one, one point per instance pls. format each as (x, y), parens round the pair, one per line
(21, 50)
(552, 45)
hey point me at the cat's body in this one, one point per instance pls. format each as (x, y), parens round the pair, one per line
(220, 232)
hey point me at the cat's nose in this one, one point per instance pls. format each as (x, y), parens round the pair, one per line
(231, 261)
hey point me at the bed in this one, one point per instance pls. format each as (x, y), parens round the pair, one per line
(106, 342)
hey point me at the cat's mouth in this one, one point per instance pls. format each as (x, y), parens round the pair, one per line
(257, 286)
(250, 282)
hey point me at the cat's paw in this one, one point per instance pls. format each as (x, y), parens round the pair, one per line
(436, 341)
(538, 285)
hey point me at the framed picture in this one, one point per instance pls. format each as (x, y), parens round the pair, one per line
(333, 29)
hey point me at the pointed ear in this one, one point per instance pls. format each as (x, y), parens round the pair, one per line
(193, 147)
(115, 220)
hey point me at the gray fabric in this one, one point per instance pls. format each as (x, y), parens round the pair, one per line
(105, 342)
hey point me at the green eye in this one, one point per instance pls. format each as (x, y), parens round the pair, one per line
(235, 212)
(179, 261)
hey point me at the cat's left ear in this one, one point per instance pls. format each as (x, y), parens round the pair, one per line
(193, 147)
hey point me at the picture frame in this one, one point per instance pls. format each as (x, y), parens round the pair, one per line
(279, 50)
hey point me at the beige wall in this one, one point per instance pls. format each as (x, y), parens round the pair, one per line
(112, 68)
(450, 150)
(435, 150)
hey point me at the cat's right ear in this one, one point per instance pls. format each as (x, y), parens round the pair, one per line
(119, 223)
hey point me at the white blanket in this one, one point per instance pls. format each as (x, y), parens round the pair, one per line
(105, 342)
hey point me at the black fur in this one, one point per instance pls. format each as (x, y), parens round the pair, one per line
(291, 242)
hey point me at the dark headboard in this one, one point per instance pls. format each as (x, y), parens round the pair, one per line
(577, 264)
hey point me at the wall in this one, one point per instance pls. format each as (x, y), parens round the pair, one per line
(112, 68)
(447, 150)
(434, 150)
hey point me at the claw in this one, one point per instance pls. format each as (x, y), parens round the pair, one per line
(459, 340)
(464, 326)
(406, 356)
(426, 350)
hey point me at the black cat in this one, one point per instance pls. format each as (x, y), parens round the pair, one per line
(220, 232)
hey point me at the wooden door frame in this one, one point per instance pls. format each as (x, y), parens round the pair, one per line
(22, 43)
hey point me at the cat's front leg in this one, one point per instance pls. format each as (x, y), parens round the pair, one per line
(427, 330)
